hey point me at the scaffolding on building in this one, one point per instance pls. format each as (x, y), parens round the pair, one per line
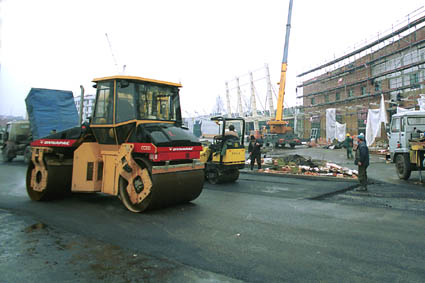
(392, 65)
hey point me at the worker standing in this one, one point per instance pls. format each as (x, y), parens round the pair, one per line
(348, 144)
(254, 149)
(362, 161)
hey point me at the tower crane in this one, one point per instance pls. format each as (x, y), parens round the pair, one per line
(113, 56)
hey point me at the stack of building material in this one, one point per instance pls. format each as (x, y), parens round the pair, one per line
(296, 164)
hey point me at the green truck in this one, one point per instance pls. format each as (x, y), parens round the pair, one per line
(15, 140)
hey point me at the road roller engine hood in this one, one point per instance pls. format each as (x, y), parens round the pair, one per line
(159, 134)
(163, 134)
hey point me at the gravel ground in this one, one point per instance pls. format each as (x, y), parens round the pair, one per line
(385, 188)
(32, 251)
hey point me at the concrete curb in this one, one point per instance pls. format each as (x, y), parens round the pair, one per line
(320, 197)
(307, 177)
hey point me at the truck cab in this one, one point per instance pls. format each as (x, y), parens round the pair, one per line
(15, 140)
(404, 127)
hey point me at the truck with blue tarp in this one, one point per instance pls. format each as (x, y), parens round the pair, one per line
(50, 111)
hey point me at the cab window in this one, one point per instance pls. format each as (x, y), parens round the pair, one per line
(125, 101)
(158, 102)
(403, 122)
(395, 125)
(104, 106)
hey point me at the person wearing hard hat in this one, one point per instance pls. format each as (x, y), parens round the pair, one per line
(362, 161)
(348, 144)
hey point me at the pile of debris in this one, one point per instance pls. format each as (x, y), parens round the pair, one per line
(380, 147)
(297, 164)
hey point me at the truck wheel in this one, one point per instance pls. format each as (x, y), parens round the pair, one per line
(402, 164)
(7, 157)
(27, 155)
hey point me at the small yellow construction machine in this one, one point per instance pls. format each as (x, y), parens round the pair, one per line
(226, 155)
(134, 147)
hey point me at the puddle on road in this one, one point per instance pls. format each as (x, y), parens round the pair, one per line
(34, 227)
(272, 190)
(16, 189)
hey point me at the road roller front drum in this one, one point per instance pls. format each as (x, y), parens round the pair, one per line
(163, 189)
(135, 186)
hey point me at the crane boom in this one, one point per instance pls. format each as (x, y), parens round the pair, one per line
(279, 108)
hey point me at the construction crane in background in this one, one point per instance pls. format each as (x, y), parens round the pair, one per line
(113, 56)
(277, 125)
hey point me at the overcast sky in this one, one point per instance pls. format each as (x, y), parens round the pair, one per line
(202, 44)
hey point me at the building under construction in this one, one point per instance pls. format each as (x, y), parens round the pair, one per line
(392, 65)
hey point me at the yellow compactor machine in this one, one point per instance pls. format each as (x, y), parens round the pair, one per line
(226, 155)
(134, 147)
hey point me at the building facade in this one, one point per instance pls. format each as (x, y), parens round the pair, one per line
(392, 66)
(88, 106)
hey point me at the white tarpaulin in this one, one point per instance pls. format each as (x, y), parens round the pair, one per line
(401, 110)
(340, 130)
(330, 124)
(421, 102)
(374, 119)
(334, 130)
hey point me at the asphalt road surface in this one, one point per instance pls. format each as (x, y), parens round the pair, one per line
(260, 229)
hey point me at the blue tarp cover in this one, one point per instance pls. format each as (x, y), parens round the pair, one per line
(50, 109)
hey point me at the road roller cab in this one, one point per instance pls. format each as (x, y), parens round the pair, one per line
(134, 147)
(226, 155)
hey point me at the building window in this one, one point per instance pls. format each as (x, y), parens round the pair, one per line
(350, 92)
(361, 121)
(337, 96)
(414, 80)
(378, 86)
(326, 98)
(363, 90)
(312, 101)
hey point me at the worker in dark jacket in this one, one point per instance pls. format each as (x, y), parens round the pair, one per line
(254, 149)
(348, 144)
(362, 161)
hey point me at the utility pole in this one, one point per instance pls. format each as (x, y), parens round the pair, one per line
(240, 111)
(269, 91)
(253, 102)
(81, 104)
(229, 110)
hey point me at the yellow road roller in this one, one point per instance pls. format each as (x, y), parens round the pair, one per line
(226, 155)
(134, 147)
